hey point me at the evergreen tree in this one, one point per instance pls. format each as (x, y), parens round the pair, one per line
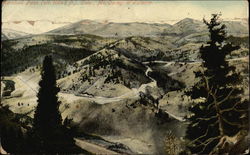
(223, 113)
(12, 137)
(49, 135)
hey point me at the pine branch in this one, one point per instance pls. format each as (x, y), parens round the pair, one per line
(205, 134)
(225, 99)
(207, 142)
(231, 123)
(218, 88)
(207, 119)
(218, 112)
(212, 105)
(233, 108)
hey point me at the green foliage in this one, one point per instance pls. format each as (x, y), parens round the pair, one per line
(243, 41)
(31, 56)
(12, 130)
(49, 135)
(166, 82)
(115, 66)
(48, 103)
(223, 113)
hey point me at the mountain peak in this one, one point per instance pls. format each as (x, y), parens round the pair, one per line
(187, 20)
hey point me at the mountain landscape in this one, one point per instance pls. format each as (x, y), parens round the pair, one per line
(12, 34)
(122, 85)
(182, 28)
(32, 26)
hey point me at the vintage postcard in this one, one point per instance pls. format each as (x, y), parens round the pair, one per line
(124, 77)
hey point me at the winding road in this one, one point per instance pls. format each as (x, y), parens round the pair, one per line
(69, 97)
(134, 93)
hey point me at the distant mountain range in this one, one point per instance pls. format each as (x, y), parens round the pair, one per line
(12, 34)
(189, 26)
(183, 28)
(33, 27)
(112, 29)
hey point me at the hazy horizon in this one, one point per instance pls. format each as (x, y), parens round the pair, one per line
(63, 13)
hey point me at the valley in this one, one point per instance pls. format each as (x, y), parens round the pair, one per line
(122, 91)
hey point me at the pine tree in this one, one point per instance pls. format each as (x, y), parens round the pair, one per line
(223, 113)
(47, 115)
(49, 135)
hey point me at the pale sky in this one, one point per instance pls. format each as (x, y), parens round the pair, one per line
(122, 11)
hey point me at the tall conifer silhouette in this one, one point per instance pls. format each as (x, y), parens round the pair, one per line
(47, 115)
(223, 113)
(49, 135)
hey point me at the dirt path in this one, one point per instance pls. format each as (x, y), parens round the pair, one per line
(93, 148)
(32, 87)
